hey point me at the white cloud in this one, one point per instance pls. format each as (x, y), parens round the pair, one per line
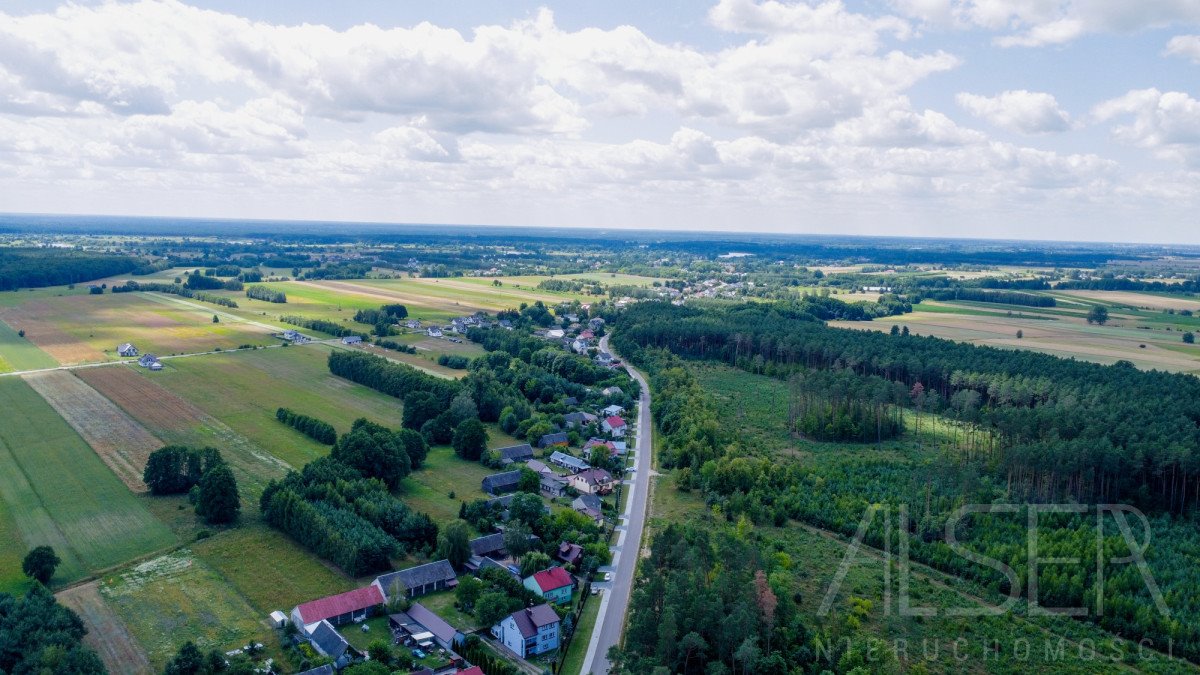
(1167, 123)
(1035, 23)
(1186, 46)
(1022, 111)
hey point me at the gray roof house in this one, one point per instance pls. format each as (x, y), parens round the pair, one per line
(548, 440)
(487, 545)
(515, 453)
(448, 636)
(419, 580)
(552, 485)
(575, 419)
(326, 669)
(500, 483)
(326, 640)
(568, 462)
(352, 340)
(127, 349)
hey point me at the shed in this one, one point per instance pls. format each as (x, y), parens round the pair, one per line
(500, 483)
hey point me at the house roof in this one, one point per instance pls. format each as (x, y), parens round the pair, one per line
(593, 442)
(486, 544)
(500, 482)
(567, 460)
(342, 603)
(555, 577)
(552, 482)
(329, 641)
(568, 552)
(594, 476)
(528, 620)
(559, 438)
(326, 669)
(586, 502)
(537, 466)
(473, 670)
(433, 623)
(421, 575)
(615, 421)
(516, 453)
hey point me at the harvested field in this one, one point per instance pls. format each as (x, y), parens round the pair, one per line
(122, 443)
(37, 320)
(175, 420)
(106, 633)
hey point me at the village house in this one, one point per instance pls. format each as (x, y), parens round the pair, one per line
(553, 485)
(419, 580)
(580, 346)
(613, 409)
(339, 609)
(530, 631)
(295, 336)
(600, 443)
(578, 419)
(590, 506)
(433, 331)
(613, 425)
(515, 453)
(501, 483)
(426, 621)
(554, 585)
(568, 462)
(412, 323)
(150, 361)
(537, 466)
(549, 440)
(571, 554)
(592, 482)
(328, 642)
(596, 323)
(127, 349)
(352, 340)
(489, 545)
(612, 391)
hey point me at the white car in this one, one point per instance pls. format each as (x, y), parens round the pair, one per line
(608, 576)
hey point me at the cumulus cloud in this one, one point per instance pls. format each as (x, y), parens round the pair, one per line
(1035, 23)
(1021, 111)
(1186, 46)
(1168, 123)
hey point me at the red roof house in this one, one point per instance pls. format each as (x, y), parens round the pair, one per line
(340, 608)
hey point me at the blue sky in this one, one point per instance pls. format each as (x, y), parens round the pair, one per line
(1050, 119)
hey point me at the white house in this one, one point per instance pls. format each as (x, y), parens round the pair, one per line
(433, 331)
(530, 631)
(614, 425)
(127, 349)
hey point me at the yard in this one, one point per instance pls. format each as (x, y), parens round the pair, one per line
(58, 492)
(428, 490)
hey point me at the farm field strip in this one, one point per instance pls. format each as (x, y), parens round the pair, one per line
(175, 420)
(106, 633)
(122, 443)
(1134, 299)
(41, 322)
(11, 578)
(61, 494)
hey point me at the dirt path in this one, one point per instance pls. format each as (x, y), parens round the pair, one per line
(106, 633)
(122, 443)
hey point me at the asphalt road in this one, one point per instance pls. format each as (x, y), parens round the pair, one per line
(614, 605)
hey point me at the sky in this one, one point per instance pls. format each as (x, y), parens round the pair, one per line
(1038, 119)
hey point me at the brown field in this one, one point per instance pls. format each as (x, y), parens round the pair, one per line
(36, 319)
(175, 420)
(117, 438)
(360, 290)
(1133, 299)
(106, 633)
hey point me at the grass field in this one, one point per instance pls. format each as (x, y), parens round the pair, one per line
(11, 578)
(268, 569)
(18, 353)
(88, 328)
(58, 492)
(444, 472)
(244, 389)
(442, 604)
(1148, 339)
(177, 597)
(573, 661)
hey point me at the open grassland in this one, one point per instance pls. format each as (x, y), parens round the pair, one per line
(1061, 331)
(106, 633)
(122, 443)
(18, 353)
(428, 350)
(428, 490)
(60, 493)
(268, 569)
(11, 578)
(175, 420)
(177, 597)
(1151, 301)
(244, 389)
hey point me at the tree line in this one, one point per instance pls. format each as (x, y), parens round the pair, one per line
(327, 327)
(202, 474)
(1002, 297)
(39, 267)
(266, 294)
(132, 286)
(318, 430)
